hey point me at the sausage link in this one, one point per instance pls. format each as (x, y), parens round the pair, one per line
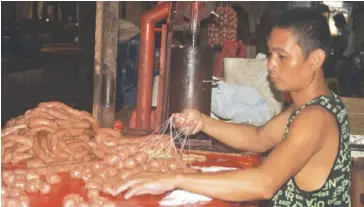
(38, 149)
(56, 149)
(20, 120)
(11, 130)
(37, 112)
(43, 141)
(82, 154)
(100, 136)
(64, 123)
(80, 148)
(36, 163)
(77, 131)
(10, 123)
(18, 139)
(103, 147)
(83, 124)
(22, 148)
(34, 131)
(38, 121)
(22, 132)
(98, 153)
(75, 144)
(18, 157)
(114, 133)
(54, 138)
(63, 146)
(52, 143)
(60, 105)
(94, 123)
(8, 155)
(83, 138)
(57, 114)
(6, 145)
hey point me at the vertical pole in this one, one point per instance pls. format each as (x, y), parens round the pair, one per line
(106, 40)
(195, 22)
(146, 60)
(167, 67)
(161, 83)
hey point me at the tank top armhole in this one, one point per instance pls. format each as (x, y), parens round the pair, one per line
(337, 153)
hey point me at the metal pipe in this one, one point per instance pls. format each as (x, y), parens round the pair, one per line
(146, 60)
(165, 102)
(162, 78)
(195, 22)
(106, 40)
(190, 75)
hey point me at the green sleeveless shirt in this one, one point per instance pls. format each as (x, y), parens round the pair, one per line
(336, 190)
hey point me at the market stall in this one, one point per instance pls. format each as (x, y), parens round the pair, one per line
(56, 155)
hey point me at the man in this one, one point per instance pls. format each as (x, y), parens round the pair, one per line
(309, 164)
(344, 54)
(347, 34)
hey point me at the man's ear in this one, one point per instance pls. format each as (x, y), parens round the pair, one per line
(317, 59)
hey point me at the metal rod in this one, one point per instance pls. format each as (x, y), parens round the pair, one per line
(146, 60)
(195, 22)
(165, 103)
(106, 40)
(162, 78)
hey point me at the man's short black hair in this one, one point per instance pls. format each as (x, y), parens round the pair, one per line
(310, 27)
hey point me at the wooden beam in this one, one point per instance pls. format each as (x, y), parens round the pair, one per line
(106, 41)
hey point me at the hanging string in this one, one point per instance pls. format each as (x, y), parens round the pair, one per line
(158, 140)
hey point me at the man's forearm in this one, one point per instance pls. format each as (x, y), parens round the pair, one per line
(239, 136)
(243, 185)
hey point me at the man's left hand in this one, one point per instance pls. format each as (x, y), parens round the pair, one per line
(147, 183)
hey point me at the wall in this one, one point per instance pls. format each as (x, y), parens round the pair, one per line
(23, 10)
(133, 11)
(359, 29)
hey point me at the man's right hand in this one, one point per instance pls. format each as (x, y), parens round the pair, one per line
(189, 122)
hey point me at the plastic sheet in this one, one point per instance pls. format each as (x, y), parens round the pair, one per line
(241, 104)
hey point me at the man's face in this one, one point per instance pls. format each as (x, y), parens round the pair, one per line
(287, 65)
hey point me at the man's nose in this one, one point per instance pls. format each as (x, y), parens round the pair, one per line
(271, 65)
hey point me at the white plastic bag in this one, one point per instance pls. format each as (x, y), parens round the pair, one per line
(253, 73)
(240, 104)
(127, 30)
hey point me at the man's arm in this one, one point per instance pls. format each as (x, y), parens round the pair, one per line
(247, 137)
(285, 161)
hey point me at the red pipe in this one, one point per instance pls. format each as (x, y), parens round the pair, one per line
(146, 60)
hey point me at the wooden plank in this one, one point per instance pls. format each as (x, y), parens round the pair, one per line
(106, 41)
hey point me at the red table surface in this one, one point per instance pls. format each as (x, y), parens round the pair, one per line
(68, 185)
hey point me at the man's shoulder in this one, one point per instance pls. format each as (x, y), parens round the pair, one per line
(312, 120)
(315, 113)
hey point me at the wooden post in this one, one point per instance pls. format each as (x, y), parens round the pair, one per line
(106, 41)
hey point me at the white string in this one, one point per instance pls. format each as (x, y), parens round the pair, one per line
(157, 138)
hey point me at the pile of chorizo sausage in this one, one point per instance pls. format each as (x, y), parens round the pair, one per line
(55, 138)
(224, 27)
